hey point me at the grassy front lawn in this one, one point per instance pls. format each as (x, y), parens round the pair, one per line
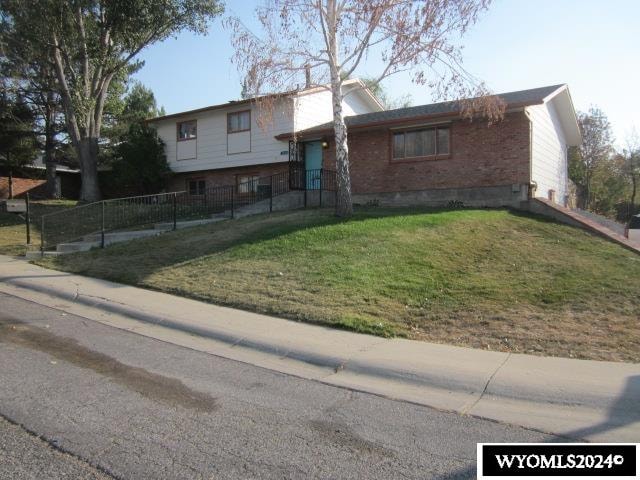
(13, 233)
(482, 278)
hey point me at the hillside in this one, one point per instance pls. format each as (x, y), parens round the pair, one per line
(490, 279)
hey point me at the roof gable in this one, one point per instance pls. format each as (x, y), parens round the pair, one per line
(561, 100)
(357, 86)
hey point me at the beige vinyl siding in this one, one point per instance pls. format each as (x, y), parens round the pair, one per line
(355, 104)
(187, 149)
(317, 108)
(239, 142)
(259, 145)
(313, 109)
(549, 167)
(214, 148)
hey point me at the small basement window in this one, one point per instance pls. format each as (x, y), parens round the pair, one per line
(239, 121)
(196, 187)
(187, 130)
(418, 143)
(247, 183)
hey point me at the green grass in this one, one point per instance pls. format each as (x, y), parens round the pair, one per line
(13, 232)
(482, 278)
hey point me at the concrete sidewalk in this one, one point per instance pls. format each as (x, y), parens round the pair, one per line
(576, 398)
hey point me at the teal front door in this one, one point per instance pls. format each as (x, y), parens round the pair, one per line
(313, 164)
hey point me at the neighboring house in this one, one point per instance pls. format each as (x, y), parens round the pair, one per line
(67, 178)
(429, 155)
(17, 187)
(235, 142)
(33, 180)
(426, 154)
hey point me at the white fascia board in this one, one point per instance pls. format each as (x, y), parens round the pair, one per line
(563, 103)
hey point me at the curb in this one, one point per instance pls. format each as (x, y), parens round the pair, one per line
(546, 394)
(126, 311)
(515, 390)
(332, 362)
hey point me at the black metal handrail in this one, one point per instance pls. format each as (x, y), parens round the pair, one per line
(108, 216)
(112, 215)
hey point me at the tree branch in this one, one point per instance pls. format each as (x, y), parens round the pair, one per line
(72, 122)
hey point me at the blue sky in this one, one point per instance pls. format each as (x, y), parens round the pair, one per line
(592, 45)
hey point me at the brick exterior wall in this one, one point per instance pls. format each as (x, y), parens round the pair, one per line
(226, 176)
(21, 186)
(481, 155)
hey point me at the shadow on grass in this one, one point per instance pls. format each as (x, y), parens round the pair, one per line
(188, 262)
(133, 262)
(245, 232)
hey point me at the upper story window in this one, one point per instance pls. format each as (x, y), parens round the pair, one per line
(239, 121)
(425, 142)
(187, 130)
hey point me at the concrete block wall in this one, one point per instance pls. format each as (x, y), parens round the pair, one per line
(545, 209)
(495, 196)
(288, 201)
(314, 198)
(569, 217)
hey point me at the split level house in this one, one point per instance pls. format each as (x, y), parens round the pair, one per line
(426, 154)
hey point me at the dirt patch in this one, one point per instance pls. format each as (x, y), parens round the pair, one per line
(169, 391)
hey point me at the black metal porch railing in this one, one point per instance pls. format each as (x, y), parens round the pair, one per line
(147, 210)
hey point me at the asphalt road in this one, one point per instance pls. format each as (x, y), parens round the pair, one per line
(89, 401)
(25, 456)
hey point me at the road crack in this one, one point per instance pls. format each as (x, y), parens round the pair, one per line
(55, 445)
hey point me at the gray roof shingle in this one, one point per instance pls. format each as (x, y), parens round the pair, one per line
(521, 97)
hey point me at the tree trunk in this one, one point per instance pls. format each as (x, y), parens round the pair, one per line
(88, 157)
(52, 185)
(587, 191)
(633, 195)
(86, 142)
(344, 204)
(10, 182)
(52, 181)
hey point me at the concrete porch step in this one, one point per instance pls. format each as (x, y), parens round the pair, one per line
(33, 254)
(190, 223)
(94, 240)
(73, 247)
(112, 237)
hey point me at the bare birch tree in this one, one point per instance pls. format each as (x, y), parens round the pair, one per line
(334, 38)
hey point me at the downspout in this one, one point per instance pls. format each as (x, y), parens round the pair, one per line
(531, 185)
